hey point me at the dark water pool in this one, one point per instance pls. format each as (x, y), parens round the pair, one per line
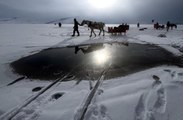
(88, 61)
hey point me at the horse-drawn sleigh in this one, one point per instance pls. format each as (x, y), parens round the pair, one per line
(100, 26)
(157, 26)
(118, 30)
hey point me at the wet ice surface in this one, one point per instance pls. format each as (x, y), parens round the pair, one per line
(88, 61)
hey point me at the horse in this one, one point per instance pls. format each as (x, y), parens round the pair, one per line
(171, 25)
(94, 25)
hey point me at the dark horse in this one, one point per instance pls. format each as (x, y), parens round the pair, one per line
(171, 25)
(94, 25)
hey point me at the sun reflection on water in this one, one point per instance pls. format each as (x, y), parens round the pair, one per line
(101, 57)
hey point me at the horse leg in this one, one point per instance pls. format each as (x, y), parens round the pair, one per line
(94, 33)
(103, 32)
(99, 32)
(91, 33)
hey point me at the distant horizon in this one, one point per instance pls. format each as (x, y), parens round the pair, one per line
(69, 20)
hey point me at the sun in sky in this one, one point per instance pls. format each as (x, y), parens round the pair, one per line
(102, 4)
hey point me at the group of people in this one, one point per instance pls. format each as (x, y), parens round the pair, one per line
(157, 26)
(122, 28)
(168, 26)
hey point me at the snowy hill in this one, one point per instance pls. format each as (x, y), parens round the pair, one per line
(11, 15)
(14, 16)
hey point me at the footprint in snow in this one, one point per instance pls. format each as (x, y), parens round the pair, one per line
(173, 74)
(155, 77)
(167, 70)
(57, 95)
(180, 74)
(178, 80)
(157, 81)
(36, 89)
(160, 104)
(33, 110)
(142, 111)
(97, 112)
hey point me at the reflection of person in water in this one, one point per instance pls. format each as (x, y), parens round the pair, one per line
(88, 49)
(75, 27)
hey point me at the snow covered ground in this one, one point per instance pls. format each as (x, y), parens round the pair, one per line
(153, 94)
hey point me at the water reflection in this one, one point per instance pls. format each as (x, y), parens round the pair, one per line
(88, 61)
(101, 57)
(99, 53)
(88, 48)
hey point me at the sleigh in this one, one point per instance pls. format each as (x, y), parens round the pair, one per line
(118, 30)
(157, 26)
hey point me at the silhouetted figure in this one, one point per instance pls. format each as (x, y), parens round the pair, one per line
(89, 48)
(138, 25)
(59, 24)
(153, 21)
(157, 24)
(167, 25)
(75, 27)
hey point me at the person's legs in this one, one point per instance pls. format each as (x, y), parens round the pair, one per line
(78, 32)
(73, 33)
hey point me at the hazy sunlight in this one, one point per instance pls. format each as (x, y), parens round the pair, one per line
(101, 4)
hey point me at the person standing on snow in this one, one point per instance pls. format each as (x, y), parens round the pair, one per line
(60, 24)
(75, 27)
(167, 26)
(138, 25)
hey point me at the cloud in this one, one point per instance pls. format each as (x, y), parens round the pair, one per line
(143, 10)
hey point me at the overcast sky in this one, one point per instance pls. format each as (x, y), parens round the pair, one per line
(109, 11)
